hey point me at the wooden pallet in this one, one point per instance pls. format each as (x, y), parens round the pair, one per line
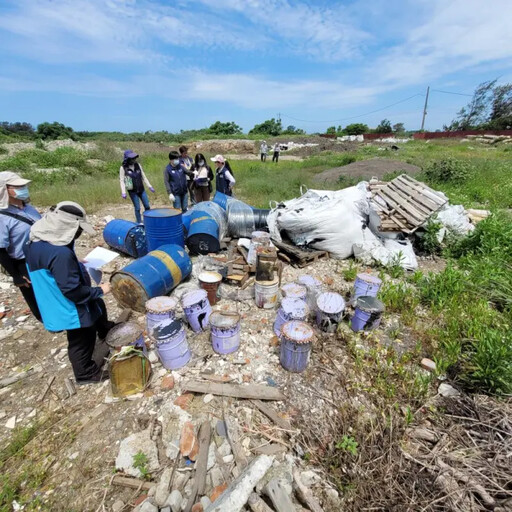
(405, 204)
(298, 257)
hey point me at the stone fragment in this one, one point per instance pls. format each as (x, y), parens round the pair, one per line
(224, 449)
(153, 357)
(428, 364)
(147, 506)
(447, 390)
(197, 508)
(183, 401)
(228, 459)
(205, 502)
(11, 423)
(309, 478)
(130, 446)
(167, 382)
(162, 487)
(216, 476)
(117, 506)
(174, 500)
(207, 398)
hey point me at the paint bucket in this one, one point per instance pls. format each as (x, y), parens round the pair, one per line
(290, 309)
(153, 275)
(130, 372)
(126, 334)
(330, 307)
(126, 237)
(216, 212)
(266, 293)
(225, 331)
(163, 226)
(197, 309)
(368, 314)
(314, 289)
(366, 285)
(258, 239)
(203, 234)
(296, 342)
(158, 310)
(294, 291)
(222, 200)
(171, 344)
(210, 282)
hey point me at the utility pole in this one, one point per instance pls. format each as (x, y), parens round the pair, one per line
(279, 117)
(425, 109)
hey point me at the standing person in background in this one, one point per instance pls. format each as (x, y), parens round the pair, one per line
(224, 181)
(175, 180)
(203, 177)
(277, 150)
(188, 164)
(133, 179)
(263, 151)
(16, 218)
(63, 292)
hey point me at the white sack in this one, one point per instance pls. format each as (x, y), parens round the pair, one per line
(455, 220)
(387, 252)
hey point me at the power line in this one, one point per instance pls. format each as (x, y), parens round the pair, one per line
(455, 93)
(355, 117)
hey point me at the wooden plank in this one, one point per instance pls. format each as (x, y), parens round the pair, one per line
(254, 391)
(397, 207)
(201, 466)
(216, 378)
(70, 386)
(407, 210)
(47, 388)
(429, 192)
(132, 483)
(412, 198)
(417, 194)
(278, 496)
(270, 412)
(270, 449)
(16, 377)
(233, 431)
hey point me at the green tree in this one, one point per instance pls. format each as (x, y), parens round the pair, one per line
(292, 130)
(384, 127)
(268, 127)
(331, 130)
(356, 129)
(52, 131)
(18, 128)
(229, 128)
(398, 128)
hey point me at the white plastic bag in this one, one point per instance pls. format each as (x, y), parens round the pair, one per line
(455, 220)
(387, 252)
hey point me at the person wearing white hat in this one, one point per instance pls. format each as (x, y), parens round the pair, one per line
(66, 299)
(16, 217)
(224, 181)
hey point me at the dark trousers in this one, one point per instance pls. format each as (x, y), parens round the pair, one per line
(81, 345)
(201, 193)
(30, 299)
(275, 158)
(263, 157)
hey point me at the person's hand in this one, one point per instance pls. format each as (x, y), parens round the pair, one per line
(25, 283)
(124, 196)
(105, 288)
(171, 198)
(152, 189)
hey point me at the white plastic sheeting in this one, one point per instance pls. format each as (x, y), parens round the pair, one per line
(387, 252)
(455, 220)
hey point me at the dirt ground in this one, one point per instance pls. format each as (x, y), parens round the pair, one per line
(377, 167)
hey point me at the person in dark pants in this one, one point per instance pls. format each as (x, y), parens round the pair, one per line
(203, 177)
(224, 180)
(16, 218)
(263, 151)
(132, 180)
(175, 180)
(188, 164)
(65, 297)
(277, 150)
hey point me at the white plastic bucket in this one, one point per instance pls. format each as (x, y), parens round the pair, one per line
(266, 293)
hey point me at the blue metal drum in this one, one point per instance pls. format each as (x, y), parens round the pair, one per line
(163, 226)
(203, 234)
(222, 200)
(127, 237)
(153, 275)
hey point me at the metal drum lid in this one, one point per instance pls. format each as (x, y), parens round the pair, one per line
(224, 320)
(193, 297)
(123, 334)
(297, 331)
(330, 302)
(161, 304)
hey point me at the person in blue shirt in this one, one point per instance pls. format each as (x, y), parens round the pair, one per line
(175, 180)
(66, 299)
(16, 218)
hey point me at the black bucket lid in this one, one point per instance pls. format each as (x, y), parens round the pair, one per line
(370, 304)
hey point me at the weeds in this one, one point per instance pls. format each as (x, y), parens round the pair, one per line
(140, 462)
(427, 242)
(348, 444)
(350, 273)
(448, 170)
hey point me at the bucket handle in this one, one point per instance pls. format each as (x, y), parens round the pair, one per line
(301, 187)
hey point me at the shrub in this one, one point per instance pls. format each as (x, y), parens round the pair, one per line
(448, 170)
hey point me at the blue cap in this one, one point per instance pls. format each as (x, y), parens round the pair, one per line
(130, 154)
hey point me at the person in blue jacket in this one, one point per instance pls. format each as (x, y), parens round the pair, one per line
(224, 180)
(175, 180)
(64, 294)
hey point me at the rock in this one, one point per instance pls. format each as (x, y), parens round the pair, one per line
(153, 357)
(130, 446)
(224, 449)
(172, 419)
(447, 390)
(333, 498)
(211, 457)
(197, 508)
(22, 318)
(189, 445)
(207, 398)
(309, 478)
(147, 506)
(183, 401)
(221, 429)
(11, 423)
(174, 500)
(216, 476)
(217, 491)
(108, 219)
(165, 509)
(117, 506)
(228, 459)
(167, 382)
(205, 502)
(428, 364)
(162, 487)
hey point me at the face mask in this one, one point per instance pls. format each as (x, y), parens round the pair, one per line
(22, 193)
(175, 163)
(201, 162)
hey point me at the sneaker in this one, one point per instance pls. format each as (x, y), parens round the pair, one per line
(100, 376)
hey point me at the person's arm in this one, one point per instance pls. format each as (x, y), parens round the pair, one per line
(210, 174)
(230, 178)
(66, 271)
(146, 181)
(121, 181)
(167, 181)
(11, 267)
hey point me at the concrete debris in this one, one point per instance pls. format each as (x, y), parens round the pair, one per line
(174, 500)
(11, 423)
(162, 488)
(446, 390)
(134, 444)
(428, 364)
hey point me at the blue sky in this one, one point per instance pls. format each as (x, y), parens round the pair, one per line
(137, 65)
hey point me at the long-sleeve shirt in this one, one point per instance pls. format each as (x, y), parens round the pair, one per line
(122, 176)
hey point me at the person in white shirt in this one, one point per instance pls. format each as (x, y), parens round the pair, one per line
(203, 177)
(263, 151)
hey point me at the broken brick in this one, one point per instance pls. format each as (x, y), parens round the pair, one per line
(184, 401)
(167, 382)
(197, 508)
(217, 491)
(189, 446)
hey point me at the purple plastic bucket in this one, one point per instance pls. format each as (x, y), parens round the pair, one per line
(368, 314)
(225, 329)
(290, 309)
(197, 309)
(294, 291)
(330, 307)
(296, 342)
(126, 334)
(158, 310)
(366, 285)
(171, 344)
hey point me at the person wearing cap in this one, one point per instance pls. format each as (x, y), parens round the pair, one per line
(263, 151)
(66, 299)
(175, 180)
(16, 218)
(188, 164)
(277, 150)
(133, 179)
(224, 180)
